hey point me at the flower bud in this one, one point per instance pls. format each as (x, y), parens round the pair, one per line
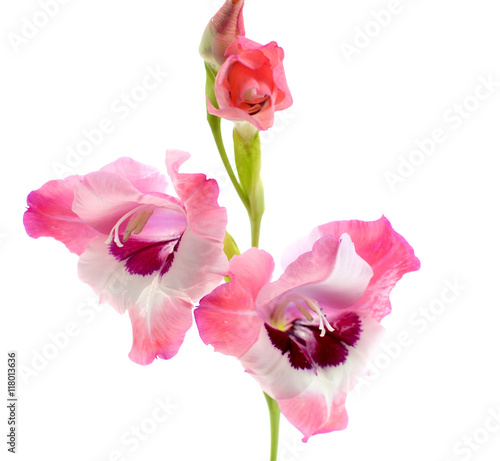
(223, 29)
(251, 86)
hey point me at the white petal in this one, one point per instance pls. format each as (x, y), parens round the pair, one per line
(109, 278)
(273, 371)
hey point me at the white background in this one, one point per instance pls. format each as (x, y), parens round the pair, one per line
(326, 159)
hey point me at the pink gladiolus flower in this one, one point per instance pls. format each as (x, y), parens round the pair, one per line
(251, 85)
(141, 250)
(222, 30)
(306, 337)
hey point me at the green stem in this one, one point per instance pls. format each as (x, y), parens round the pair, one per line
(247, 157)
(255, 229)
(274, 417)
(214, 123)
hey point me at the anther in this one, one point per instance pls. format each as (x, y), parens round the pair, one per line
(136, 224)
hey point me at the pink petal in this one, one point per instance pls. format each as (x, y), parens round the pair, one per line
(256, 61)
(226, 318)
(310, 415)
(102, 198)
(163, 224)
(283, 99)
(159, 323)
(264, 118)
(347, 281)
(229, 19)
(50, 215)
(199, 195)
(251, 59)
(388, 253)
(331, 273)
(237, 114)
(200, 263)
(227, 25)
(311, 267)
(232, 89)
(144, 178)
(243, 43)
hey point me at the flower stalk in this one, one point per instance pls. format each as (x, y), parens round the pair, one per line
(214, 123)
(274, 418)
(247, 154)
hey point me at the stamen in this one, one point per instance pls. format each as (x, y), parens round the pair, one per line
(314, 306)
(137, 222)
(299, 301)
(304, 312)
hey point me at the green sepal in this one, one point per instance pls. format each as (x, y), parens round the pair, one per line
(213, 120)
(230, 249)
(247, 154)
(210, 85)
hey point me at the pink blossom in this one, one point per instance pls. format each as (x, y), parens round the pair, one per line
(251, 85)
(223, 29)
(141, 250)
(306, 336)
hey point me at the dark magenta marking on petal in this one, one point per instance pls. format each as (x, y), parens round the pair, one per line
(281, 340)
(330, 350)
(348, 328)
(307, 349)
(170, 259)
(143, 257)
(298, 358)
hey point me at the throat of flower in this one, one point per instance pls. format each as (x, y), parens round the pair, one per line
(250, 94)
(139, 217)
(308, 307)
